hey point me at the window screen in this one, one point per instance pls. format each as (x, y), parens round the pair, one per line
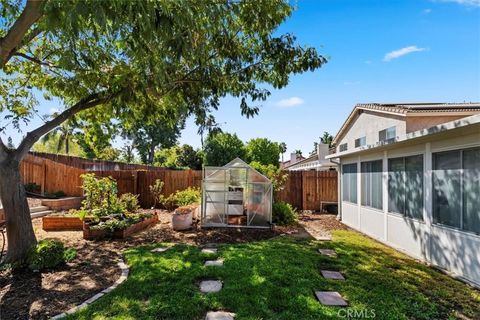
(342, 147)
(447, 188)
(372, 184)
(360, 142)
(471, 190)
(387, 135)
(349, 182)
(405, 186)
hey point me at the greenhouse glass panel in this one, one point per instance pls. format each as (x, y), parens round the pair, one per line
(236, 195)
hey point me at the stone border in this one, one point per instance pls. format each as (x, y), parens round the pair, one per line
(123, 268)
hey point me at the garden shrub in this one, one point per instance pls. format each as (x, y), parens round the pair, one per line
(129, 202)
(156, 191)
(49, 254)
(32, 187)
(182, 198)
(100, 196)
(283, 214)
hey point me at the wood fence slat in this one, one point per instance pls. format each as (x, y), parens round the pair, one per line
(303, 189)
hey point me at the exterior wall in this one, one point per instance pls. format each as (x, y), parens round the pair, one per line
(369, 124)
(415, 123)
(450, 249)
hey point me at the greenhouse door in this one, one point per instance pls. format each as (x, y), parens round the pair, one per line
(214, 207)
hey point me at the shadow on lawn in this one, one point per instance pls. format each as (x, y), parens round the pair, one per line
(276, 279)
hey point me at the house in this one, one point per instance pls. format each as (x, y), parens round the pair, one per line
(294, 158)
(410, 177)
(316, 161)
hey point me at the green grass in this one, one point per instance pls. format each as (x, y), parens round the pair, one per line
(276, 279)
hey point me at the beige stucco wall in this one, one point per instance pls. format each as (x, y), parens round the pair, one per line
(415, 123)
(368, 124)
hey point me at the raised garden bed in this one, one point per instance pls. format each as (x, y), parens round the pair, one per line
(96, 234)
(62, 223)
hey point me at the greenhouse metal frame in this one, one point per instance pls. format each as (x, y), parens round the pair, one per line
(236, 195)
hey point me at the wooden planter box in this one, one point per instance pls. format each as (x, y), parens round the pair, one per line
(89, 234)
(59, 223)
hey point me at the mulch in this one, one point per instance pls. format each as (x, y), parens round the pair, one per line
(40, 295)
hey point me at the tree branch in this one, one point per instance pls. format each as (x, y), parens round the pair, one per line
(30, 14)
(33, 59)
(86, 103)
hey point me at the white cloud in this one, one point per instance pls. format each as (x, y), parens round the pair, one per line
(289, 102)
(401, 52)
(468, 3)
(427, 11)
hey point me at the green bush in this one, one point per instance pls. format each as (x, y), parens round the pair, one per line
(284, 214)
(101, 196)
(49, 254)
(183, 198)
(32, 187)
(129, 202)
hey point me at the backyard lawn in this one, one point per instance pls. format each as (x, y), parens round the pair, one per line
(276, 279)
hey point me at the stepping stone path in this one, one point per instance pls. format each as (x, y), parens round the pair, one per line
(328, 252)
(208, 286)
(158, 250)
(335, 275)
(330, 298)
(209, 250)
(214, 263)
(219, 315)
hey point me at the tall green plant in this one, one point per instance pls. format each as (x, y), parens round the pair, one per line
(100, 195)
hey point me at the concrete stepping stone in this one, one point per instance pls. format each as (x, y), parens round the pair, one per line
(330, 298)
(335, 275)
(159, 250)
(209, 250)
(214, 263)
(219, 315)
(209, 245)
(328, 252)
(208, 286)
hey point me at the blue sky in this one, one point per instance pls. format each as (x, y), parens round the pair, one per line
(379, 51)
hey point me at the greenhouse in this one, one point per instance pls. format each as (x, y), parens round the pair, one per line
(236, 195)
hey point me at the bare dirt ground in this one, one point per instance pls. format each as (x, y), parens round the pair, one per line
(39, 295)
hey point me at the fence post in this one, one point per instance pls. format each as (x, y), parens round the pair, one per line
(135, 181)
(44, 177)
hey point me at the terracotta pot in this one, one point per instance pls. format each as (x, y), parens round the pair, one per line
(183, 220)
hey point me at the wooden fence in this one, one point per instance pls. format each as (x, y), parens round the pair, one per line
(303, 189)
(90, 164)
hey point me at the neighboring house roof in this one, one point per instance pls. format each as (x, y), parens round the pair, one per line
(311, 162)
(287, 163)
(303, 160)
(414, 109)
(459, 124)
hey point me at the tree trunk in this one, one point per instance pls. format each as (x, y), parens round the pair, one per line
(20, 235)
(151, 153)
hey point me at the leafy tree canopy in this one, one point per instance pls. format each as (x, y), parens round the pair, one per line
(221, 148)
(263, 151)
(143, 57)
(147, 55)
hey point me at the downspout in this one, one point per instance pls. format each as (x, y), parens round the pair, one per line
(339, 188)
